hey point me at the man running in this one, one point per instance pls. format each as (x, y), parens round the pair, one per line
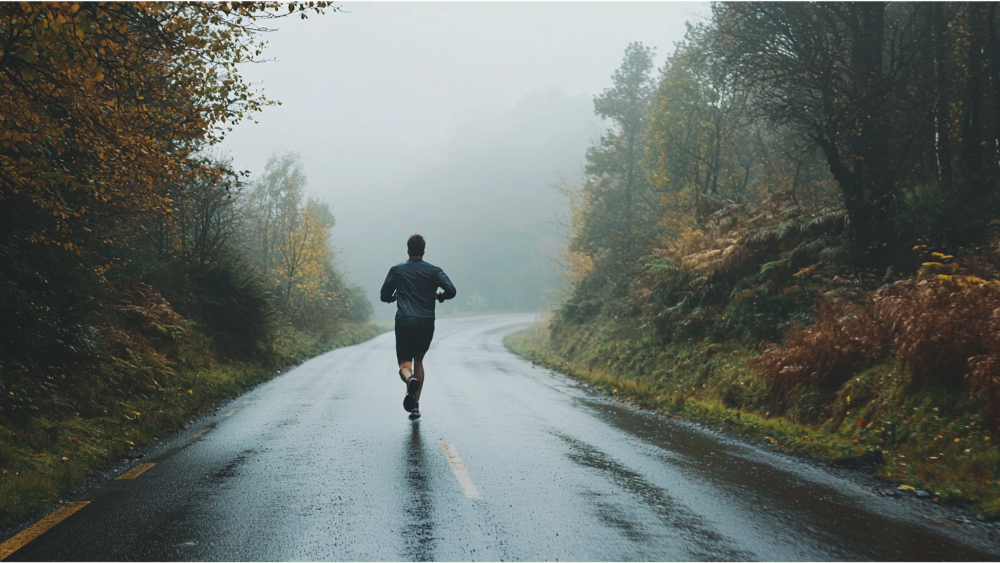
(413, 286)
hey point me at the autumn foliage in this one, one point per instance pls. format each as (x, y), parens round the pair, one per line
(103, 104)
(939, 326)
(942, 326)
(844, 340)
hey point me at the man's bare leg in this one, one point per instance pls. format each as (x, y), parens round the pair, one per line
(418, 372)
(405, 371)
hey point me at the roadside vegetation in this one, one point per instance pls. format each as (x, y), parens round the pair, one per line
(792, 230)
(141, 280)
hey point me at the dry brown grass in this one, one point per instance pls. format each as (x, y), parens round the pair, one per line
(984, 372)
(944, 324)
(938, 325)
(845, 339)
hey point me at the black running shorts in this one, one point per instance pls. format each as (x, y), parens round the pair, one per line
(413, 340)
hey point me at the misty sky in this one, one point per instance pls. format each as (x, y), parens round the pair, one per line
(448, 119)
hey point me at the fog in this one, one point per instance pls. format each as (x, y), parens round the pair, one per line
(453, 120)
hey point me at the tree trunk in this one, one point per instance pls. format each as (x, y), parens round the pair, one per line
(993, 51)
(868, 195)
(972, 141)
(942, 131)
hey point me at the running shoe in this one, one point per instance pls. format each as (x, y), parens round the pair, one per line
(415, 413)
(410, 401)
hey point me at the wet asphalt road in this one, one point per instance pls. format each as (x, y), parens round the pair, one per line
(322, 463)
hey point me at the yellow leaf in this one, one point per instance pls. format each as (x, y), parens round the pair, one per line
(905, 488)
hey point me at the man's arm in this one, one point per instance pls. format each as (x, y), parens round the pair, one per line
(388, 291)
(445, 284)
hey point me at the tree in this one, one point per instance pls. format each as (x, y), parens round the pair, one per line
(966, 104)
(900, 97)
(691, 121)
(104, 104)
(271, 207)
(831, 71)
(303, 247)
(690, 150)
(203, 219)
(705, 151)
(286, 237)
(619, 213)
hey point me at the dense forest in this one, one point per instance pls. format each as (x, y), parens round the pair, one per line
(141, 278)
(792, 230)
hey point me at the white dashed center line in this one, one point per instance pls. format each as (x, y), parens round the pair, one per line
(458, 468)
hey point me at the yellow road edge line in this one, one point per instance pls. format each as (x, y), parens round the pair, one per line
(231, 413)
(38, 528)
(135, 471)
(458, 468)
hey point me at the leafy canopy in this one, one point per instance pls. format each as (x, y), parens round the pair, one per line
(103, 104)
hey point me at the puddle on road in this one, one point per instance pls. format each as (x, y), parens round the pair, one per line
(418, 535)
(230, 469)
(710, 546)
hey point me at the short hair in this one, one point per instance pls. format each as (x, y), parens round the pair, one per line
(415, 245)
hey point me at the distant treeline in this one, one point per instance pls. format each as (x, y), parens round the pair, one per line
(140, 280)
(794, 163)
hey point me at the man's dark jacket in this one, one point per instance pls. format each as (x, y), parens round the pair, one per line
(414, 285)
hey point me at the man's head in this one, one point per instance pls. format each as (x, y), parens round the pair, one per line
(415, 246)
